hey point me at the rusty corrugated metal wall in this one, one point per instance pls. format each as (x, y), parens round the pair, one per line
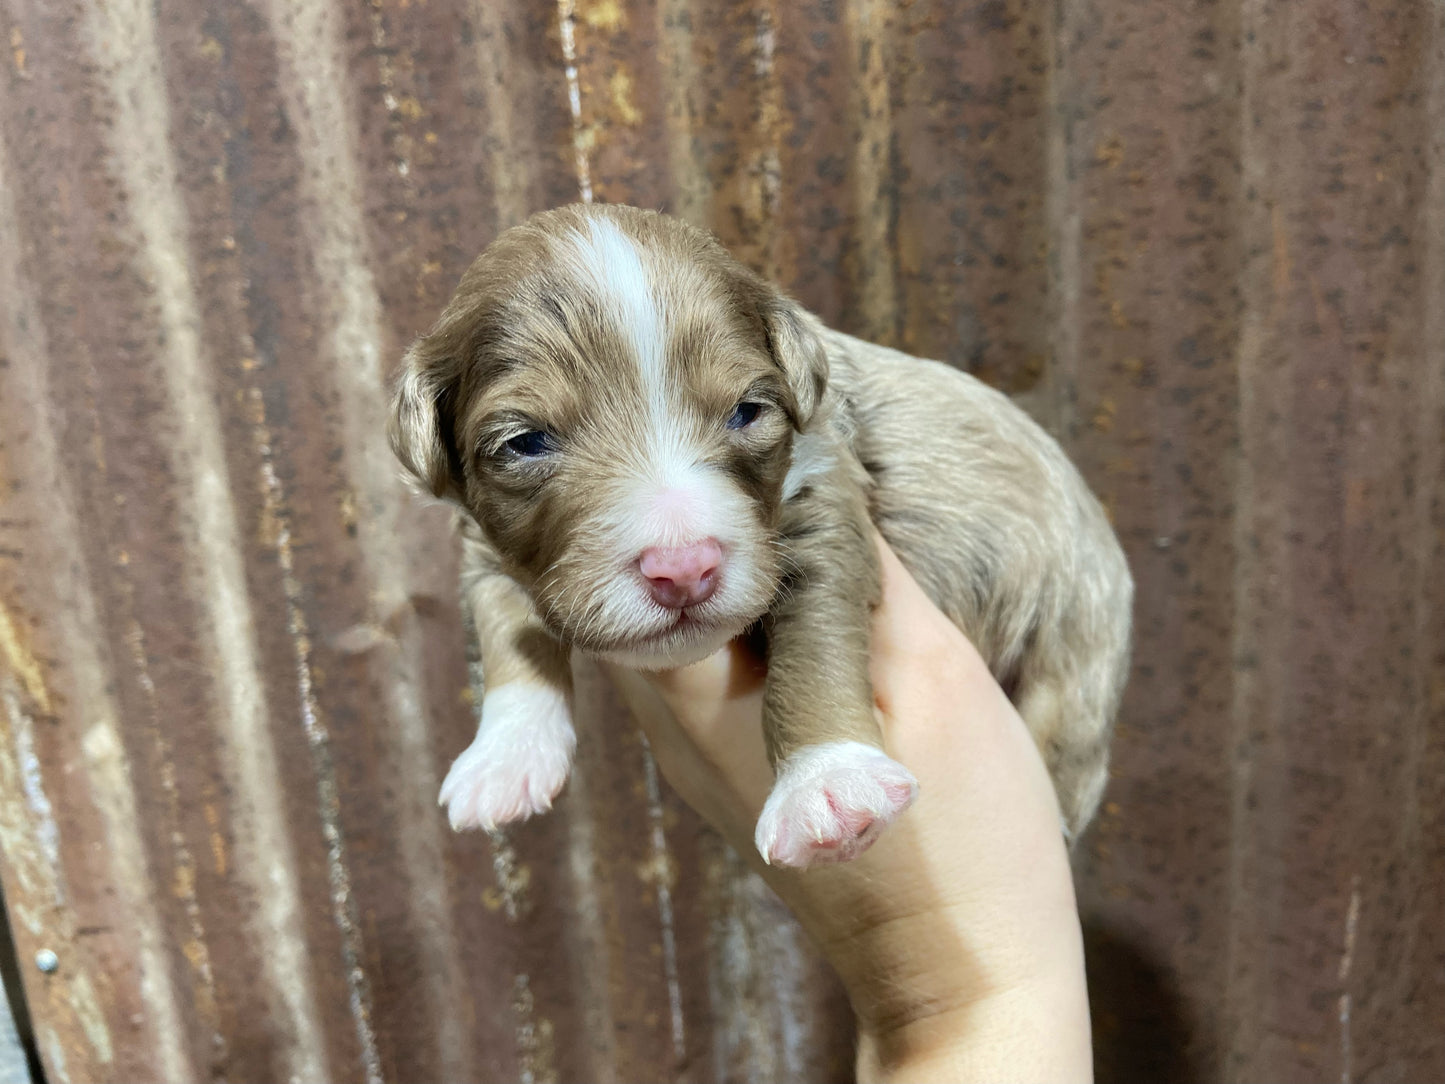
(1204, 241)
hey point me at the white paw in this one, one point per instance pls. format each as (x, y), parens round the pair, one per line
(518, 762)
(830, 803)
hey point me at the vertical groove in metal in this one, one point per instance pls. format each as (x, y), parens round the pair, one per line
(1205, 245)
(330, 190)
(318, 738)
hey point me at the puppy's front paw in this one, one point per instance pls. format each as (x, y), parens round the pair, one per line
(518, 762)
(830, 803)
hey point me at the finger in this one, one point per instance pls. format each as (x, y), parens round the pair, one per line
(911, 636)
(711, 750)
(905, 611)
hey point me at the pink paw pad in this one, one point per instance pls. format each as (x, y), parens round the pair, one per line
(831, 803)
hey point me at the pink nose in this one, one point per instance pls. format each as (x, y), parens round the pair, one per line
(681, 576)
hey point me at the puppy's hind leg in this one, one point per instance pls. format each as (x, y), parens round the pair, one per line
(1068, 701)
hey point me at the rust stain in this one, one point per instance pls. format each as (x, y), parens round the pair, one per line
(183, 878)
(620, 89)
(681, 77)
(1110, 152)
(658, 869)
(1357, 501)
(1103, 419)
(761, 198)
(870, 25)
(21, 662)
(604, 15)
(513, 878)
(219, 859)
(1283, 266)
(183, 882)
(346, 508)
(495, 90)
(17, 50)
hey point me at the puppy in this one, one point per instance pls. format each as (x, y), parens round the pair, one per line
(656, 451)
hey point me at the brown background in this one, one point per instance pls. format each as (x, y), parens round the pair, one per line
(1204, 241)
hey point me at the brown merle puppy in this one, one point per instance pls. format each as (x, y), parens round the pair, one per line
(656, 450)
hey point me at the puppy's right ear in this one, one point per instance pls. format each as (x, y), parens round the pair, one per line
(797, 350)
(420, 427)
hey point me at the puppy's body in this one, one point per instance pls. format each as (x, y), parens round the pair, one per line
(984, 509)
(656, 450)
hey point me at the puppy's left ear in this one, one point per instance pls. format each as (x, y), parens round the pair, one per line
(799, 352)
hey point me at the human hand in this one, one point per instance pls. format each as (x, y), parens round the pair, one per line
(956, 935)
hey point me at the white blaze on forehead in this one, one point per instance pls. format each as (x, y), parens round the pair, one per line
(611, 267)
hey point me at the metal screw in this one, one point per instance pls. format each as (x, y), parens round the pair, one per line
(47, 961)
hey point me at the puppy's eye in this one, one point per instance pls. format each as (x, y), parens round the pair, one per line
(532, 444)
(744, 415)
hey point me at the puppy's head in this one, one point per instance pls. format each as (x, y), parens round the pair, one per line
(613, 398)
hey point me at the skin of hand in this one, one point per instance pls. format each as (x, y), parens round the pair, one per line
(956, 935)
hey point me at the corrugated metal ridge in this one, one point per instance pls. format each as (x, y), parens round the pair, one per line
(122, 41)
